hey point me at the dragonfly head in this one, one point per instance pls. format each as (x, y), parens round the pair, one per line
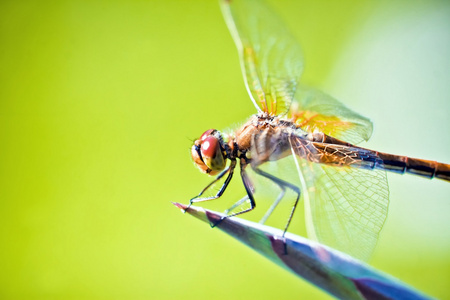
(208, 153)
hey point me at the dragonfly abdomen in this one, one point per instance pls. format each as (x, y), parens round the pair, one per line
(321, 148)
(416, 166)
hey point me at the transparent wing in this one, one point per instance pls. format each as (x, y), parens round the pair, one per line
(271, 58)
(345, 207)
(313, 110)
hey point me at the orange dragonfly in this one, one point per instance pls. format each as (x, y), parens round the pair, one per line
(344, 187)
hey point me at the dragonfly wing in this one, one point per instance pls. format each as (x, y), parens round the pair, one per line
(271, 58)
(345, 207)
(313, 110)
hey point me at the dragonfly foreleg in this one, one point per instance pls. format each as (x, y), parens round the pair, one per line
(249, 189)
(229, 170)
(283, 185)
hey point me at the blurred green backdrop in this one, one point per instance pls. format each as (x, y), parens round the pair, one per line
(100, 102)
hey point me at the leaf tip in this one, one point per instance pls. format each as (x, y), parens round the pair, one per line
(180, 206)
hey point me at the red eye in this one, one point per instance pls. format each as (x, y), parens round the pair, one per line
(210, 146)
(206, 134)
(208, 154)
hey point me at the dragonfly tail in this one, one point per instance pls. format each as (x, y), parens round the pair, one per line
(416, 166)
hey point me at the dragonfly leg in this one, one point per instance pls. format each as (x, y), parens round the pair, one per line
(237, 204)
(274, 205)
(283, 185)
(249, 189)
(229, 170)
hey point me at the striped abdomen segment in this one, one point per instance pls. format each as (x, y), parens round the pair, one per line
(327, 150)
(421, 167)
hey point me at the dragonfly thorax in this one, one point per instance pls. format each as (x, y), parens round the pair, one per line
(264, 137)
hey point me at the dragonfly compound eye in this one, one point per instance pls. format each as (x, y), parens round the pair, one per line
(207, 133)
(212, 155)
(207, 153)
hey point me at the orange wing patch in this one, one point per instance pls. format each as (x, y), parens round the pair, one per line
(312, 121)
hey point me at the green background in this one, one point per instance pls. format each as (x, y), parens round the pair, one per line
(100, 102)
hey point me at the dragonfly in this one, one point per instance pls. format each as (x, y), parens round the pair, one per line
(343, 186)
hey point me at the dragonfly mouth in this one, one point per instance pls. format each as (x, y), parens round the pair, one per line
(197, 149)
(198, 160)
